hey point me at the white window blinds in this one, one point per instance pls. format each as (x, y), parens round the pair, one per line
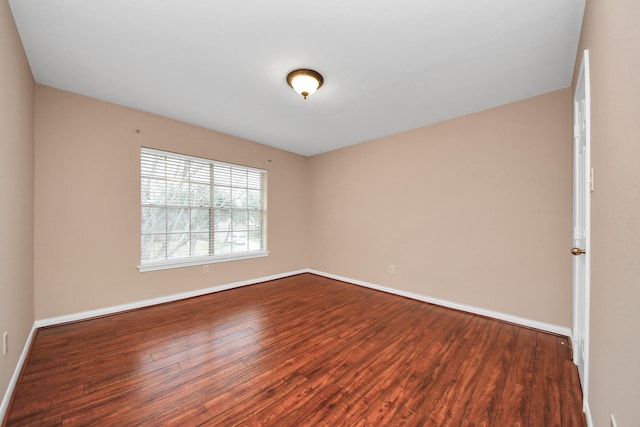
(196, 210)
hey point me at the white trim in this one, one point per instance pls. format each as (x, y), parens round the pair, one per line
(188, 262)
(547, 327)
(16, 374)
(587, 414)
(543, 326)
(84, 315)
(581, 292)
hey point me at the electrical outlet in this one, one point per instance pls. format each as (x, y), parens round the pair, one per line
(205, 268)
(613, 421)
(5, 343)
(392, 269)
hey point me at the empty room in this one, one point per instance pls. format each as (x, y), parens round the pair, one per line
(306, 214)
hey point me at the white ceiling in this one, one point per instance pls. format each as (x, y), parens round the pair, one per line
(388, 66)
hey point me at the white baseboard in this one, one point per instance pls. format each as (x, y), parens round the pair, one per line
(155, 301)
(547, 327)
(587, 414)
(16, 374)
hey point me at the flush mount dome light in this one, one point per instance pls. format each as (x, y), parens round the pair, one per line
(305, 82)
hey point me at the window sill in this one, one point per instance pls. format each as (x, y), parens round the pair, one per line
(188, 262)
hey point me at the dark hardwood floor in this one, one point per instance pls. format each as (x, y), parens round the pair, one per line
(299, 351)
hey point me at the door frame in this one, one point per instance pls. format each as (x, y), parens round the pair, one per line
(582, 175)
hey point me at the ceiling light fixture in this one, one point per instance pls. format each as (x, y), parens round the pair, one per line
(305, 82)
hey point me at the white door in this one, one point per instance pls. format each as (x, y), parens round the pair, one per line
(582, 187)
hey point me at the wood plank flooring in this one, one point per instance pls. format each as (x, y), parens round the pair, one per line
(299, 351)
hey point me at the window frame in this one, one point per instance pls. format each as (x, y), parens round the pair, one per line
(206, 259)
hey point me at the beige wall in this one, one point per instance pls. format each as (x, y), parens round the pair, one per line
(16, 188)
(87, 201)
(612, 35)
(475, 210)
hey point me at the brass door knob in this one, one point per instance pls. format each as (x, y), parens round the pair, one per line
(577, 251)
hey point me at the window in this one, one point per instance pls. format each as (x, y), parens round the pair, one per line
(199, 211)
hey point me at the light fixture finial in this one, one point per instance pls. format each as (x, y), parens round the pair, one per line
(304, 81)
